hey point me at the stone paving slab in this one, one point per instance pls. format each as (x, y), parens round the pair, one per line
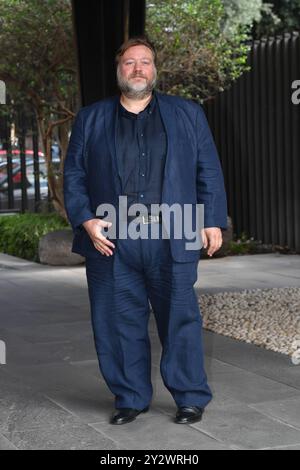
(232, 385)
(52, 395)
(70, 437)
(5, 444)
(248, 272)
(94, 406)
(286, 411)
(258, 360)
(294, 447)
(158, 432)
(246, 428)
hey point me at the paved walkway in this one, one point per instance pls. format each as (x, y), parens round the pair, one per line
(53, 397)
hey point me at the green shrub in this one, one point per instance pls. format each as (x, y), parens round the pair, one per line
(242, 245)
(20, 234)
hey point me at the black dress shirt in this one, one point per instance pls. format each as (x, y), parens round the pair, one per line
(141, 149)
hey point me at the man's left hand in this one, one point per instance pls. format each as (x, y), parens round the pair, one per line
(212, 239)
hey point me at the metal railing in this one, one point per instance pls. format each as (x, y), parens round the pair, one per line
(23, 183)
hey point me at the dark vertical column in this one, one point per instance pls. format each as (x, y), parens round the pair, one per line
(137, 17)
(230, 149)
(243, 155)
(272, 219)
(280, 139)
(237, 200)
(257, 171)
(222, 145)
(249, 113)
(264, 83)
(100, 28)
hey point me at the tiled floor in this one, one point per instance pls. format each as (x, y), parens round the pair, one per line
(52, 395)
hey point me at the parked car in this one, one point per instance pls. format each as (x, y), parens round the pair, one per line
(29, 183)
(16, 153)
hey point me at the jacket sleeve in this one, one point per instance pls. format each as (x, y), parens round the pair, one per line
(210, 181)
(76, 197)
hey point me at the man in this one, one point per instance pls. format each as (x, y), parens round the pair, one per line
(154, 149)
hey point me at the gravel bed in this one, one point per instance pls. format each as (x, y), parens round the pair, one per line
(266, 317)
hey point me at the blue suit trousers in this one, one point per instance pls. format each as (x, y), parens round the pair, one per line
(120, 288)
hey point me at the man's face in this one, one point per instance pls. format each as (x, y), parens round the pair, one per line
(136, 71)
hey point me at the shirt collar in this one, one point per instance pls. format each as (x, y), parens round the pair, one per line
(145, 112)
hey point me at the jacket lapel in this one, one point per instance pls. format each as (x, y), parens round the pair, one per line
(168, 116)
(111, 111)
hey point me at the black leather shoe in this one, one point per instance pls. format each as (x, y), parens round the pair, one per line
(188, 414)
(125, 415)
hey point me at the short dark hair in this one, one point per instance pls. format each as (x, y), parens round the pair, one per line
(135, 41)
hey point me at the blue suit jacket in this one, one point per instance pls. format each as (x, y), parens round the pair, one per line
(192, 174)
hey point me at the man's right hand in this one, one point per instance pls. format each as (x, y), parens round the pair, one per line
(94, 229)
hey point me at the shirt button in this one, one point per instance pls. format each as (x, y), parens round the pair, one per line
(141, 195)
(142, 174)
(143, 154)
(142, 135)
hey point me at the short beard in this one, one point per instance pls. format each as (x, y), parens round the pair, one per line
(129, 92)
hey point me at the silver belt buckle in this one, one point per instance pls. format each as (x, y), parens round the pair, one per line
(150, 218)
